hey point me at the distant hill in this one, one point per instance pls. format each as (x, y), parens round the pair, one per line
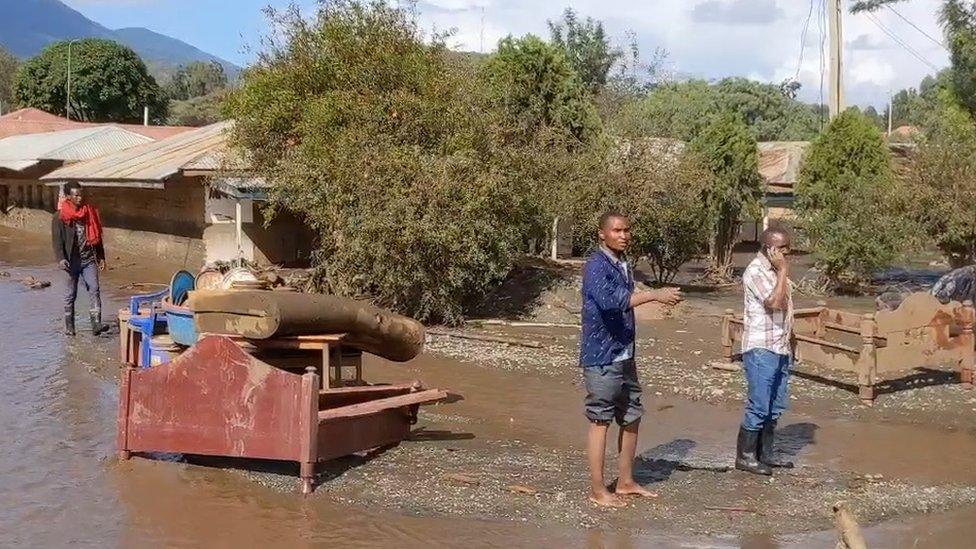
(28, 26)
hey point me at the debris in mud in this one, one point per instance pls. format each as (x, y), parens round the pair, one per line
(518, 489)
(4, 274)
(461, 478)
(35, 284)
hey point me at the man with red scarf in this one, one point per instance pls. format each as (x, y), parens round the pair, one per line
(77, 237)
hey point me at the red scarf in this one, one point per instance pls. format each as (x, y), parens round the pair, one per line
(88, 215)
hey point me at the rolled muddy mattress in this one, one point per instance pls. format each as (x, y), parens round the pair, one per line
(267, 314)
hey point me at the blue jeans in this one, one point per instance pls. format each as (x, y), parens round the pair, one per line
(768, 377)
(88, 274)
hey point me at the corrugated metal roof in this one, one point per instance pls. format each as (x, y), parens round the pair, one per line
(779, 161)
(151, 162)
(22, 151)
(31, 120)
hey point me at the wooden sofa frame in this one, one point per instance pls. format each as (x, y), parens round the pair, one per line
(920, 333)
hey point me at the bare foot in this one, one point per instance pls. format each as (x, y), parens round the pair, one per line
(633, 489)
(606, 499)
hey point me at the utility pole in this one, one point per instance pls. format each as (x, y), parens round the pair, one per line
(835, 15)
(891, 108)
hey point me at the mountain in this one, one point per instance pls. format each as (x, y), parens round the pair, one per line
(28, 26)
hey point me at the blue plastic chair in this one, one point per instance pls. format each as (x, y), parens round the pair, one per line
(148, 324)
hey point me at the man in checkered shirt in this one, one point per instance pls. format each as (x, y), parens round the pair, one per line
(766, 351)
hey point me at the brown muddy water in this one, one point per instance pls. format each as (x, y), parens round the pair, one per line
(61, 484)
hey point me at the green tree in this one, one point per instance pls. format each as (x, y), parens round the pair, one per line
(681, 110)
(197, 111)
(730, 154)
(392, 152)
(849, 204)
(535, 86)
(658, 184)
(8, 71)
(109, 83)
(944, 173)
(587, 48)
(196, 80)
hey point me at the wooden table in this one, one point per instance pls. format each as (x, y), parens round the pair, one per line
(329, 345)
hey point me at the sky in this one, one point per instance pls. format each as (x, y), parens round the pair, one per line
(710, 39)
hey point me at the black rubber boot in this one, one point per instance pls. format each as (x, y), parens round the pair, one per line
(69, 322)
(745, 453)
(96, 323)
(765, 454)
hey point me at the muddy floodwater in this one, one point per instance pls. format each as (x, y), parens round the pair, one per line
(906, 465)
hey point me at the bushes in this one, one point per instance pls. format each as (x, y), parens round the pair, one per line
(850, 206)
(944, 173)
(730, 154)
(394, 154)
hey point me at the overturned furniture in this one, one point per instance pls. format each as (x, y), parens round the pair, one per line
(245, 394)
(920, 333)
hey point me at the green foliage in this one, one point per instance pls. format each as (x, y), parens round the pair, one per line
(944, 173)
(587, 48)
(533, 83)
(109, 83)
(658, 185)
(849, 204)
(197, 111)
(8, 70)
(958, 18)
(681, 110)
(730, 154)
(390, 150)
(196, 80)
(871, 5)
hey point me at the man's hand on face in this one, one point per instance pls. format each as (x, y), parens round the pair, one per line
(63, 264)
(778, 260)
(667, 296)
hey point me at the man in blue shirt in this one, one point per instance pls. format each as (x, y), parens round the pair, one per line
(607, 357)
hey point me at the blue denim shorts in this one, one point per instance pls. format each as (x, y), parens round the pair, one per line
(613, 393)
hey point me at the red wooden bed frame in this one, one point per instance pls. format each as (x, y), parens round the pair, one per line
(217, 400)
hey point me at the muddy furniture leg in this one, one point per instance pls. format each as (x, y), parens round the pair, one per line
(309, 426)
(326, 369)
(968, 345)
(123, 418)
(727, 335)
(867, 361)
(821, 331)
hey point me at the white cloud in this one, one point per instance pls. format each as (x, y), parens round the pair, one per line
(758, 38)
(737, 12)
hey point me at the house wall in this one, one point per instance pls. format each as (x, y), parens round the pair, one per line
(167, 224)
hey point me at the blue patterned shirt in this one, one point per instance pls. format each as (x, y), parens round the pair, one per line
(607, 318)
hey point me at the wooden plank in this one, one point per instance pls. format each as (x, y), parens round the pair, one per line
(844, 318)
(358, 434)
(345, 396)
(374, 406)
(843, 328)
(818, 355)
(827, 344)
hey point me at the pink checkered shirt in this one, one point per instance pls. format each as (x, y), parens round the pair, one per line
(763, 328)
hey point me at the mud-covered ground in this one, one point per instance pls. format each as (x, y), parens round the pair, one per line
(501, 466)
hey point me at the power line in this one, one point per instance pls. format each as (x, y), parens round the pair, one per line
(909, 49)
(803, 41)
(916, 27)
